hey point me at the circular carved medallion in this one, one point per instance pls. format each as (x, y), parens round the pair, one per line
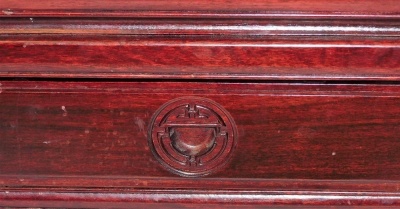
(192, 136)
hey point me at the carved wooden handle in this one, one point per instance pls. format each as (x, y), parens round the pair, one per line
(192, 141)
(192, 136)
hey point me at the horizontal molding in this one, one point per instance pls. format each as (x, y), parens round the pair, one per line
(54, 182)
(273, 89)
(199, 14)
(169, 27)
(106, 198)
(188, 57)
(80, 191)
(199, 8)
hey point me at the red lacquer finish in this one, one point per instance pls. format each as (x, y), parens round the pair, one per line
(200, 104)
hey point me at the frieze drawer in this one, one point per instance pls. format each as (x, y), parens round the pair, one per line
(165, 140)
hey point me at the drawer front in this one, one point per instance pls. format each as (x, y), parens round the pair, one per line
(282, 131)
(278, 137)
(199, 104)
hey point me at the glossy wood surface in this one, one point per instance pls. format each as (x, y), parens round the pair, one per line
(269, 58)
(179, 8)
(285, 131)
(151, 44)
(306, 92)
(196, 199)
(80, 135)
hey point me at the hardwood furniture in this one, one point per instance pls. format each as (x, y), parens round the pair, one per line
(189, 104)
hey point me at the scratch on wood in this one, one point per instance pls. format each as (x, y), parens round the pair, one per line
(65, 111)
(8, 12)
(140, 123)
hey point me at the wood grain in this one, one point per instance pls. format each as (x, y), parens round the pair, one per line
(200, 58)
(312, 87)
(198, 199)
(72, 137)
(179, 8)
(293, 131)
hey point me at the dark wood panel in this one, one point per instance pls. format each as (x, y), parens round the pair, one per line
(160, 74)
(84, 144)
(298, 58)
(285, 131)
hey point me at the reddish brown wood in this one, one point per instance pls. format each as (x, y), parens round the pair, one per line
(216, 8)
(252, 28)
(303, 95)
(331, 48)
(271, 59)
(296, 131)
(192, 136)
(334, 5)
(197, 199)
(93, 134)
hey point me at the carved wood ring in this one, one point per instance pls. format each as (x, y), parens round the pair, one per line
(192, 136)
